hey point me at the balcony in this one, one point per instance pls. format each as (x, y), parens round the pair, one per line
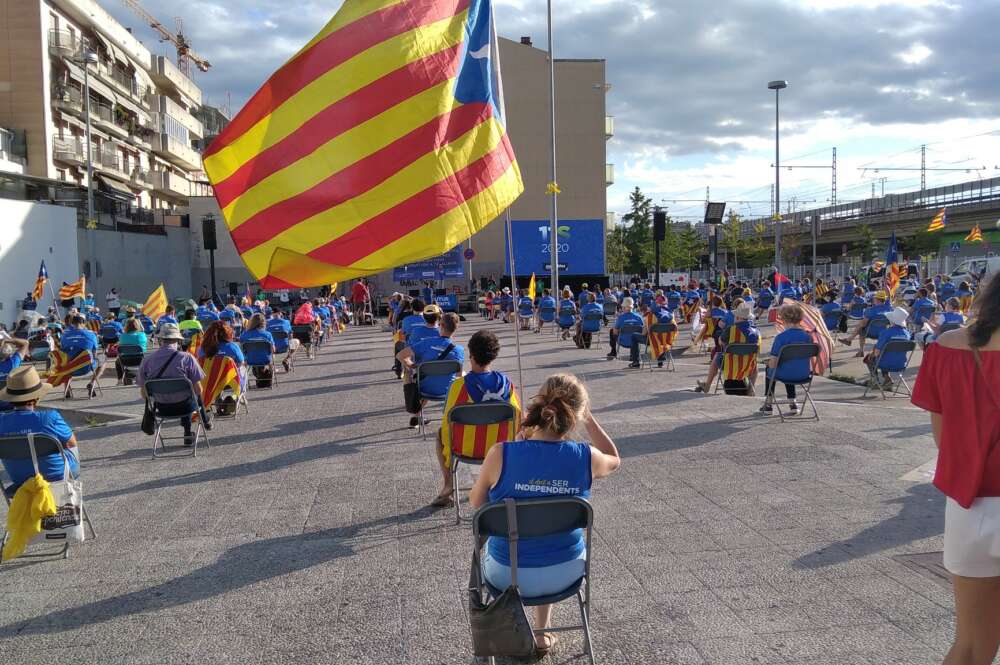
(164, 73)
(609, 175)
(69, 100)
(166, 110)
(609, 126)
(104, 117)
(123, 82)
(69, 151)
(177, 152)
(109, 161)
(13, 147)
(143, 179)
(64, 44)
(167, 182)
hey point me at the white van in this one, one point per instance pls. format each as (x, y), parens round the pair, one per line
(976, 267)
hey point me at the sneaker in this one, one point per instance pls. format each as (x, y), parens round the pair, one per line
(414, 422)
(634, 365)
(700, 387)
(286, 365)
(659, 363)
(189, 439)
(208, 421)
(793, 407)
(845, 342)
(612, 356)
(766, 408)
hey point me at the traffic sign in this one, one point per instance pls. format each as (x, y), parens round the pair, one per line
(469, 254)
(956, 247)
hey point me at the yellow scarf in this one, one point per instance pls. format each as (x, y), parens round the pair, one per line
(31, 503)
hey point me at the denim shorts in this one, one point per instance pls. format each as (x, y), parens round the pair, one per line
(535, 582)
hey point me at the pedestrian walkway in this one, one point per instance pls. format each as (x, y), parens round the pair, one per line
(304, 534)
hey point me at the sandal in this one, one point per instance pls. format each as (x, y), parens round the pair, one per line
(550, 640)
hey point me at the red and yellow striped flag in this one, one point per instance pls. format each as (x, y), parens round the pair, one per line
(475, 440)
(380, 143)
(940, 220)
(220, 373)
(736, 367)
(63, 368)
(156, 303)
(77, 289)
(975, 235)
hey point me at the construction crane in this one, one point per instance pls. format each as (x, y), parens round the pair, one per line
(185, 56)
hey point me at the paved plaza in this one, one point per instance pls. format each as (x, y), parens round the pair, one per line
(303, 535)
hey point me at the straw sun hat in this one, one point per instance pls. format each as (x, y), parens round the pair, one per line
(24, 385)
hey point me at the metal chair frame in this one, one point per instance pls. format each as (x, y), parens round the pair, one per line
(428, 369)
(795, 352)
(669, 360)
(559, 327)
(279, 335)
(548, 310)
(311, 347)
(10, 448)
(476, 414)
(534, 518)
(261, 344)
(592, 316)
(93, 379)
(174, 385)
(906, 346)
(130, 352)
(638, 337)
(734, 349)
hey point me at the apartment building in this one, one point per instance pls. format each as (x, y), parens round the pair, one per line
(144, 131)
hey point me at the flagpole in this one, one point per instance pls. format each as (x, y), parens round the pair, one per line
(554, 222)
(55, 301)
(517, 323)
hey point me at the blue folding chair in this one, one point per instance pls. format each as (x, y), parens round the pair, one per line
(788, 353)
(896, 377)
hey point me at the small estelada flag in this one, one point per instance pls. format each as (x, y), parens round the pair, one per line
(156, 303)
(77, 289)
(975, 235)
(940, 220)
(43, 277)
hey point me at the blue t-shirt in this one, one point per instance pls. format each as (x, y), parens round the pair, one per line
(876, 310)
(663, 315)
(595, 324)
(421, 333)
(112, 329)
(13, 423)
(166, 318)
(625, 339)
(525, 307)
(895, 361)
(922, 303)
(533, 469)
(646, 297)
(766, 297)
(673, 299)
(75, 341)
(257, 335)
(946, 291)
(567, 318)
(410, 322)
(791, 370)
(547, 302)
(227, 315)
(228, 349)
(430, 349)
(280, 325)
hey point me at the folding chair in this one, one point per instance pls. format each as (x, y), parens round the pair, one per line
(260, 347)
(875, 326)
(662, 329)
(735, 350)
(610, 310)
(108, 336)
(796, 352)
(19, 447)
(187, 334)
(38, 351)
(130, 356)
(832, 319)
(91, 372)
(482, 414)
(304, 333)
(923, 314)
(565, 312)
(281, 339)
(906, 346)
(594, 319)
(206, 322)
(165, 410)
(534, 518)
(426, 370)
(635, 331)
(546, 315)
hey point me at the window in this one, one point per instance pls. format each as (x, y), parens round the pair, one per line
(175, 130)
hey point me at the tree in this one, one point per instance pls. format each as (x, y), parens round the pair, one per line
(639, 233)
(731, 237)
(922, 243)
(866, 247)
(617, 251)
(691, 247)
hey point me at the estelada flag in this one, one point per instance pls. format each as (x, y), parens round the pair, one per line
(220, 373)
(63, 368)
(940, 220)
(382, 142)
(77, 289)
(975, 235)
(892, 272)
(43, 277)
(156, 303)
(659, 342)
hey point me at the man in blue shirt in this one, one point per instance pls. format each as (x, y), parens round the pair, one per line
(893, 361)
(673, 298)
(525, 309)
(617, 337)
(878, 309)
(283, 341)
(76, 340)
(431, 314)
(546, 309)
(922, 308)
(169, 316)
(586, 327)
(415, 320)
(431, 349)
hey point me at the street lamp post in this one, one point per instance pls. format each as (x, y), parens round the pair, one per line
(777, 86)
(554, 222)
(87, 59)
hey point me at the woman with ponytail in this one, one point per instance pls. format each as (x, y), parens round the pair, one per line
(545, 461)
(959, 383)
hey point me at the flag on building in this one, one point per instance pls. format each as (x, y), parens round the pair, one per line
(77, 289)
(940, 220)
(891, 280)
(156, 303)
(382, 142)
(40, 281)
(812, 323)
(531, 287)
(976, 235)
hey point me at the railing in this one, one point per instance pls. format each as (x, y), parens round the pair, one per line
(64, 43)
(609, 126)
(141, 178)
(609, 174)
(69, 150)
(122, 81)
(13, 144)
(68, 98)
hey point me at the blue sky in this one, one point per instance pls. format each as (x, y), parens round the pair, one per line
(875, 78)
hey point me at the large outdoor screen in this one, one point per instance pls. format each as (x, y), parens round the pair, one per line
(580, 247)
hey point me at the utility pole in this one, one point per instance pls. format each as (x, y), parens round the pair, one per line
(923, 167)
(833, 184)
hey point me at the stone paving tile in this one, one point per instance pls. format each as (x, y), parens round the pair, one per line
(303, 534)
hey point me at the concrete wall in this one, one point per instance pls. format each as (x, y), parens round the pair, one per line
(29, 234)
(228, 264)
(135, 263)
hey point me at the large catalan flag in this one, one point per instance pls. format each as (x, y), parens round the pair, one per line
(892, 271)
(940, 220)
(43, 277)
(380, 143)
(77, 289)
(156, 303)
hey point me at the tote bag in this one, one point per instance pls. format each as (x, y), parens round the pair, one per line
(67, 523)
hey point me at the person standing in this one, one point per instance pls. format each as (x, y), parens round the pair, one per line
(114, 302)
(959, 384)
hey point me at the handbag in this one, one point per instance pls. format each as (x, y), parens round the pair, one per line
(148, 425)
(411, 394)
(500, 627)
(67, 523)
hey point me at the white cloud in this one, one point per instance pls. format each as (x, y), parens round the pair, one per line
(915, 55)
